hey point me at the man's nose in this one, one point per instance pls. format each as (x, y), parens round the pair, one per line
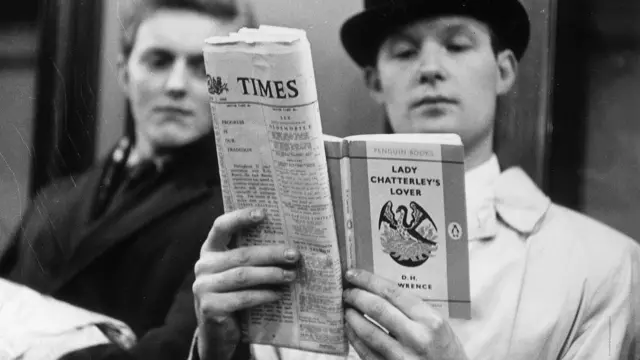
(431, 68)
(177, 81)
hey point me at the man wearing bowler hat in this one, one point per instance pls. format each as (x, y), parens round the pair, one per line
(546, 282)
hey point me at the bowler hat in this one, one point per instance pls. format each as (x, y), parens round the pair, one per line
(363, 33)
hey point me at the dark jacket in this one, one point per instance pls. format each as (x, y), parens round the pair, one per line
(135, 261)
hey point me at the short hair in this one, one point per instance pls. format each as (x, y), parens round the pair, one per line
(131, 13)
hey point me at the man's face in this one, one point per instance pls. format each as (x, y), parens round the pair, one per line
(442, 75)
(165, 81)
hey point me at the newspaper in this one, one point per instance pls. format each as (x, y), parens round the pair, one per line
(271, 155)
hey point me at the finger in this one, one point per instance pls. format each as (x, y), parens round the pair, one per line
(364, 352)
(217, 307)
(381, 311)
(409, 304)
(242, 278)
(263, 255)
(371, 338)
(228, 224)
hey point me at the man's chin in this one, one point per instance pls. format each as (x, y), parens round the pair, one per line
(435, 129)
(444, 123)
(163, 144)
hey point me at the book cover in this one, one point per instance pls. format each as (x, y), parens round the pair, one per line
(401, 213)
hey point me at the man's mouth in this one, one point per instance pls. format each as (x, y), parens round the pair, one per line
(433, 101)
(174, 110)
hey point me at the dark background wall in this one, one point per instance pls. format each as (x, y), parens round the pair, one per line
(596, 147)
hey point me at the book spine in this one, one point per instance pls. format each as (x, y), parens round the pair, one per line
(456, 233)
(359, 205)
(347, 209)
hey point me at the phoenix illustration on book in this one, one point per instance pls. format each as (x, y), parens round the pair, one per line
(411, 242)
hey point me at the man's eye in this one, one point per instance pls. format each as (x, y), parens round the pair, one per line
(459, 45)
(159, 61)
(404, 52)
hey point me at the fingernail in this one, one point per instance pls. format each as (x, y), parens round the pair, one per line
(351, 274)
(289, 275)
(291, 254)
(345, 294)
(257, 214)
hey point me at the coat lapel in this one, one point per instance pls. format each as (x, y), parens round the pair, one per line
(184, 184)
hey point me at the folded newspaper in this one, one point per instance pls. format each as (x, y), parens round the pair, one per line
(272, 154)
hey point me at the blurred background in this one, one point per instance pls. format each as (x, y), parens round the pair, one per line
(571, 123)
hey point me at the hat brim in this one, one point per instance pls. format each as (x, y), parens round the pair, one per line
(363, 33)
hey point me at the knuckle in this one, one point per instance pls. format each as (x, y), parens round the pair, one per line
(243, 256)
(196, 288)
(213, 317)
(207, 311)
(243, 300)
(227, 306)
(241, 276)
(420, 308)
(200, 267)
(426, 343)
(218, 225)
(438, 324)
(379, 310)
(391, 293)
(275, 254)
(204, 310)
(368, 335)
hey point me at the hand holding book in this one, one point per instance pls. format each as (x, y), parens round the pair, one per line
(416, 330)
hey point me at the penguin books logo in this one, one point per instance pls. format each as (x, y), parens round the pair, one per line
(216, 86)
(409, 242)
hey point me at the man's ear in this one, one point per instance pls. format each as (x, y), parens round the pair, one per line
(507, 71)
(372, 81)
(123, 74)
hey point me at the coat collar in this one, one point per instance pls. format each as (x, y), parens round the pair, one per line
(519, 201)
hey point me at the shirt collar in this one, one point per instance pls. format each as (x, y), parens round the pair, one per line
(479, 179)
(510, 196)
(198, 158)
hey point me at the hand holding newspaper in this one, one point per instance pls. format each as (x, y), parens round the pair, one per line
(271, 155)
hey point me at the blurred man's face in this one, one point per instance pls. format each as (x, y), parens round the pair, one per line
(165, 81)
(442, 75)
